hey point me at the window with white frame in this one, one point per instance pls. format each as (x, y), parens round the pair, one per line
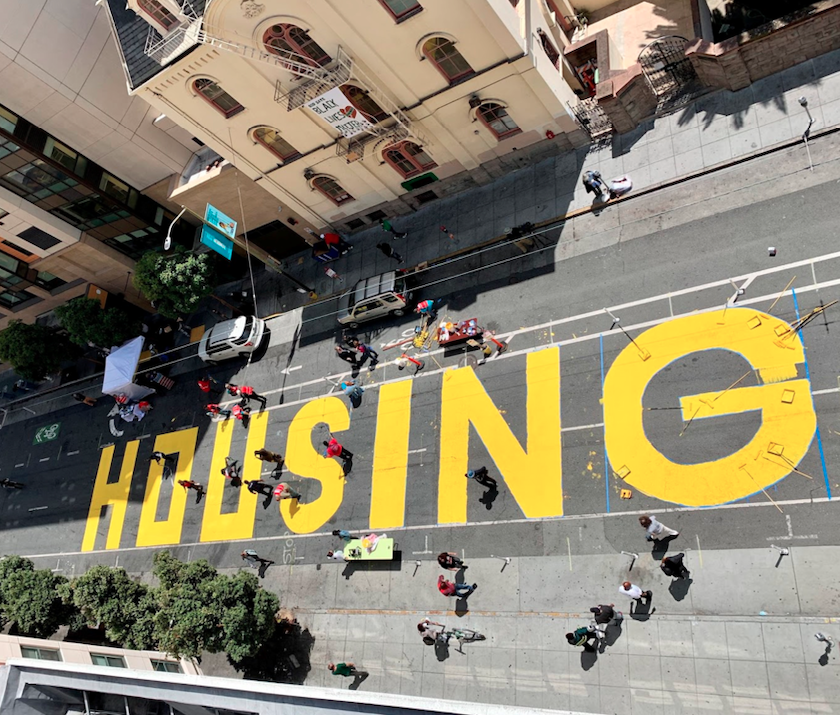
(163, 15)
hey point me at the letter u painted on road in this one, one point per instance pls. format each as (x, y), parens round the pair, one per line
(788, 420)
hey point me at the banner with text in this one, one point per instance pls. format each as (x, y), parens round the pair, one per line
(337, 111)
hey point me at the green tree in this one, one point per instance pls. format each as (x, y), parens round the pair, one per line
(175, 283)
(88, 323)
(34, 351)
(202, 610)
(31, 599)
(110, 597)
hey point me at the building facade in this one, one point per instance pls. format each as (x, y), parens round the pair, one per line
(76, 155)
(344, 113)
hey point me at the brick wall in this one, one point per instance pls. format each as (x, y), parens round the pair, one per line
(737, 62)
(627, 98)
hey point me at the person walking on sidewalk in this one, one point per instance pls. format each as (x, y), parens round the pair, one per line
(604, 616)
(656, 529)
(246, 392)
(581, 637)
(284, 491)
(345, 669)
(449, 561)
(390, 252)
(258, 486)
(9, 484)
(430, 631)
(673, 566)
(266, 455)
(387, 226)
(480, 475)
(79, 397)
(635, 592)
(346, 354)
(368, 352)
(448, 588)
(593, 183)
(254, 560)
(336, 555)
(214, 410)
(206, 384)
(336, 449)
(190, 484)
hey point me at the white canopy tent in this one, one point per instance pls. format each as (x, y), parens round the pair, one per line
(120, 367)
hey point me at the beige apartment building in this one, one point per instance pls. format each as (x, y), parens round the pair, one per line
(337, 113)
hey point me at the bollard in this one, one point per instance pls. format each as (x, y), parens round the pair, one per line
(822, 638)
(633, 558)
(782, 551)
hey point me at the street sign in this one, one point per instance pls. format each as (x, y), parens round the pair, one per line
(219, 240)
(47, 433)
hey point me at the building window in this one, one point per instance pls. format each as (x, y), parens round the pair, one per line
(408, 159)
(9, 299)
(111, 661)
(215, 95)
(37, 180)
(294, 43)
(497, 120)
(271, 140)
(40, 653)
(48, 281)
(119, 190)
(331, 189)
(8, 121)
(402, 9)
(65, 156)
(160, 14)
(361, 100)
(166, 666)
(549, 48)
(443, 54)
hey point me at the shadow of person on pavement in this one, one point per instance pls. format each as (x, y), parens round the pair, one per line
(263, 568)
(462, 608)
(489, 497)
(611, 635)
(267, 501)
(441, 649)
(588, 659)
(641, 611)
(679, 588)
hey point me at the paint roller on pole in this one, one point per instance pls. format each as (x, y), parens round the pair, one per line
(644, 354)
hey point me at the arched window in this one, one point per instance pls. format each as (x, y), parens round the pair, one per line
(159, 13)
(402, 9)
(497, 120)
(443, 55)
(293, 43)
(331, 189)
(271, 140)
(362, 101)
(215, 95)
(408, 159)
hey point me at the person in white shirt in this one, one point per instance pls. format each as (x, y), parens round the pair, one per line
(336, 555)
(635, 592)
(656, 529)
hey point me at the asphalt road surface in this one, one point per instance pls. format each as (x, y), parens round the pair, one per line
(691, 400)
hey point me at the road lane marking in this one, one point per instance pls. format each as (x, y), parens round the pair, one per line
(22, 464)
(38, 508)
(44, 459)
(73, 453)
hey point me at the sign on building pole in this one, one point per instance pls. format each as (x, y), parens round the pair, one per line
(220, 240)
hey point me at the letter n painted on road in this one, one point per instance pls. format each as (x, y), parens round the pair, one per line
(390, 456)
(159, 533)
(114, 495)
(216, 526)
(533, 477)
(309, 462)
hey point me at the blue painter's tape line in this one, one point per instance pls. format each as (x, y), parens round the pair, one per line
(808, 375)
(606, 458)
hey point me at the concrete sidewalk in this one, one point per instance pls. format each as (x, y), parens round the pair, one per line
(714, 130)
(737, 638)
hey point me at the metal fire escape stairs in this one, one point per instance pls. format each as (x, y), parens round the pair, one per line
(309, 81)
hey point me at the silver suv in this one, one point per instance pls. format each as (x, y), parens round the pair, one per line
(232, 338)
(373, 298)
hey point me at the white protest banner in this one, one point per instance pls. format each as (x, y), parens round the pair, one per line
(337, 111)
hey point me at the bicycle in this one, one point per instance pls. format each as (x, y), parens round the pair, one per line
(462, 635)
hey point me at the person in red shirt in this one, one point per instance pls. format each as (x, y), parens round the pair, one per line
(447, 588)
(213, 410)
(333, 239)
(190, 484)
(335, 449)
(242, 413)
(284, 491)
(205, 384)
(246, 392)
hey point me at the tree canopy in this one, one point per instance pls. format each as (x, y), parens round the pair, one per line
(31, 599)
(88, 323)
(174, 283)
(34, 351)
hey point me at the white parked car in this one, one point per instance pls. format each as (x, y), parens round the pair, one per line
(232, 338)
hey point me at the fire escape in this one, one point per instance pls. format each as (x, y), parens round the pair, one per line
(308, 81)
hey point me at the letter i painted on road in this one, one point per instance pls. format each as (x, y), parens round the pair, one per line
(216, 526)
(168, 531)
(114, 495)
(309, 462)
(533, 477)
(390, 456)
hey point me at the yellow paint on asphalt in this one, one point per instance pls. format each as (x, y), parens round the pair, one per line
(239, 524)
(160, 533)
(715, 482)
(390, 456)
(114, 495)
(534, 478)
(306, 460)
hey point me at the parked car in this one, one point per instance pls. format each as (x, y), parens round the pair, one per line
(385, 294)
(232, 338)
